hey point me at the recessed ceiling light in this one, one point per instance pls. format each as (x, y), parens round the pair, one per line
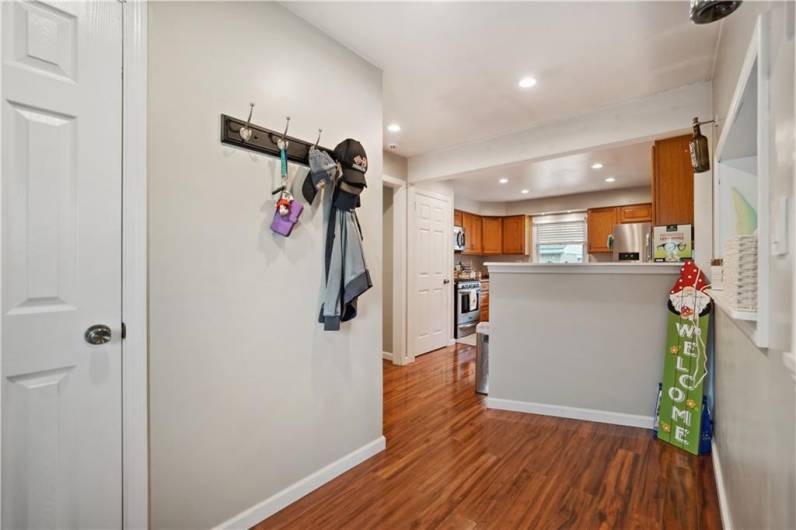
(610, 179)
(503, 180)
(394, 127)
(527, 82)
(525, 192)
(596, 165)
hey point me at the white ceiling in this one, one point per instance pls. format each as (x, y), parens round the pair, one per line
(629, 165)
(451, 68)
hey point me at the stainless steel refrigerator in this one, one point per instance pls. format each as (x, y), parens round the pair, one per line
(632, 242)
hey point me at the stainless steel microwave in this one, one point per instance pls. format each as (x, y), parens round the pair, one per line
(458, 239)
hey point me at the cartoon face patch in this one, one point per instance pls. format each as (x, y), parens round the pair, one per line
(361, 163)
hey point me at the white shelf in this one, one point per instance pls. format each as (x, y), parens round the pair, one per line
(737, 314)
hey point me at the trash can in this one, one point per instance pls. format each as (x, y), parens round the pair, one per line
(482, 358)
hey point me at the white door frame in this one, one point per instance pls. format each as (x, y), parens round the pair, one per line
(135, 365)
(399, 187)
(135, 470)
(411, 250)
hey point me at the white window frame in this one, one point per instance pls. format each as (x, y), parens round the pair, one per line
(556, 219)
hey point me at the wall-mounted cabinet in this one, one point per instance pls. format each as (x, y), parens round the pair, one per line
(472, 233)
(517, 235)
(635, 213)
(457, 218)
(672, 182)
(491, 236)
(600, 224)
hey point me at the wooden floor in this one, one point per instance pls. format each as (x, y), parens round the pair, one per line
(451, 463)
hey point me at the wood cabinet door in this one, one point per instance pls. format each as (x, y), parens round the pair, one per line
(601, 223)
(673, 182)
(491, 235)
(472, 233)
(515, 234)
(635, 213)
(457, 218)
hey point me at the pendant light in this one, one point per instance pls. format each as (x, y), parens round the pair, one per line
(700, 158)
(707, 11)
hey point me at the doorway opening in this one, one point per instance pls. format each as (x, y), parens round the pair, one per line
(394, 215)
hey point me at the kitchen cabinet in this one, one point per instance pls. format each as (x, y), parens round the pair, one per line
(491, 235)
(601, 223)
(472, 233)
(457, 218)
(672, 182)
(635, 213)
(516, 234)
(484, 317)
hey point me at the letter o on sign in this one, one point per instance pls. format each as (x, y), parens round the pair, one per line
(676, 394)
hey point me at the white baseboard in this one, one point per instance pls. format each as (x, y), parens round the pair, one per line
(250, 517)
(451, 342)
(387, 356)
(724, 507)
(561, 411)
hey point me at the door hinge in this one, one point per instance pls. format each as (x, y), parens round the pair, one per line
(124, 331)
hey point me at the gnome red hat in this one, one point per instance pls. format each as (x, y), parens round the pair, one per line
(687, 296)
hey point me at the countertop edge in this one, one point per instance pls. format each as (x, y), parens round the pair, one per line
(582, 268)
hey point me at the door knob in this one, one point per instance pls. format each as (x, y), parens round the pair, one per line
(98, 334)
(446, 281)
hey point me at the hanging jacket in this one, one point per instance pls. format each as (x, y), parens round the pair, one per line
(347, 276)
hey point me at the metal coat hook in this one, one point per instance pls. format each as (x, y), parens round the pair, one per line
(283, 143)
(318, 140)
(246, 132)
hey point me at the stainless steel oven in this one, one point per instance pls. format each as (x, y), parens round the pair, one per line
(468, 307)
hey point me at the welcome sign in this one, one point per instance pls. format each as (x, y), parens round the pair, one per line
(685, 368)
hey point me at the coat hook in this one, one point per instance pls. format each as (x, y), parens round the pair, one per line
(283, 143)
(318, 140)
(246, 132)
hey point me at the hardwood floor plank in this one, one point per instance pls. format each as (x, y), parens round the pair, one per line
(452, 464)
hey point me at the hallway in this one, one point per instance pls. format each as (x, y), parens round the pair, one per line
(451, 463)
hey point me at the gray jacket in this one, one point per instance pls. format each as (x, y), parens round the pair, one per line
(347, 276)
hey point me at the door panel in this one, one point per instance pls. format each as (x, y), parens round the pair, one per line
(61, 219)
(491, 235)
(430, 317)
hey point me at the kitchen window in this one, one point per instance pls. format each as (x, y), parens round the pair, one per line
(560, 238)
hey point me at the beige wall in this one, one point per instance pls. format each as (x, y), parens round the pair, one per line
(395, 165)
(582, 340)
(754, 392)
(248, 394)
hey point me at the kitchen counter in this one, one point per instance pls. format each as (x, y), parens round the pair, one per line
(583, 268)
(582, 341)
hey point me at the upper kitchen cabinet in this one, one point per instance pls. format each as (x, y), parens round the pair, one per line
(457, 218)
(635, 213)
(601, 223)
(672, 182)
(516, 234)
(491, 235)
(472, 233)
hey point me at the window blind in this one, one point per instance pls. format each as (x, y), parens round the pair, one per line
(565, 232)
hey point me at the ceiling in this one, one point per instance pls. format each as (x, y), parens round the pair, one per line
(451, 68)
(629, 165)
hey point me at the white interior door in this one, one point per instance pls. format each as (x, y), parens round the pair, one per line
(61, 264)
(430, 250)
